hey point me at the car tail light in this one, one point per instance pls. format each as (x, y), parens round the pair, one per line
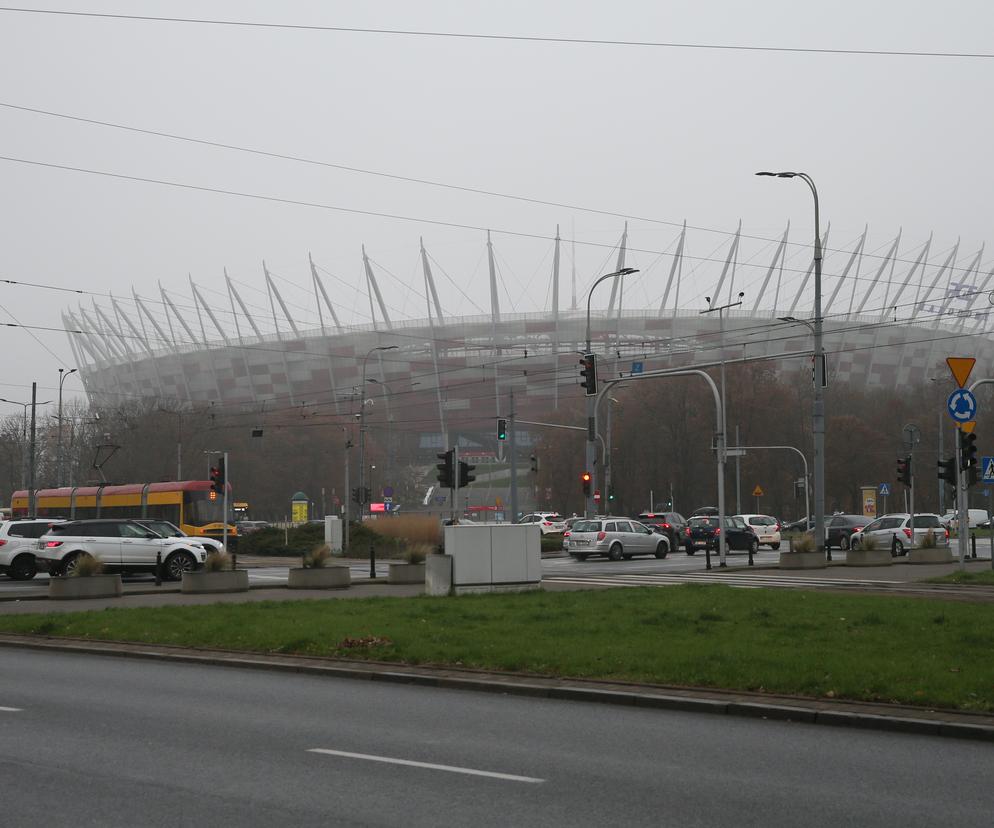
(2, 541)
(717, 530)
(907, 532)
(778, 528)
(546, 523)
(858, 529)
(601, 535)
(567, 534)
(666, 526)
(687, 531)
(947, 534)
(52, 544)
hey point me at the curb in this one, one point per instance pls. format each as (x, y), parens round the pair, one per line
(897, 719)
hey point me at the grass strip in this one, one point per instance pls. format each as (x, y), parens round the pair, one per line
(871, 648)
(983, 578)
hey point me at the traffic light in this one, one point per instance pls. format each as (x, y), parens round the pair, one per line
(610, 494)
(217, 479)
(947, 471)
(534, 465)
(502, 429)
(465, 478)
(446, 476)
(357, 496)
(586, 479)
(904, 470)
(967, 450)
(588, 370)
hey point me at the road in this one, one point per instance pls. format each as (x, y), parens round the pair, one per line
(93, 740)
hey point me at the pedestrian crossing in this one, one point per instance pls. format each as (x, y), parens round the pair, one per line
(745, 580)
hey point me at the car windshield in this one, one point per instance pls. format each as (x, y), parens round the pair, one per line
(164, 528)
(587, 526)
(702, 521)
(762, 520)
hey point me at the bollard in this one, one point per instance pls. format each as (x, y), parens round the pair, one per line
(973, 546)
(158, 568)
(707, 554)
(750, 554)
(372, 560)
(234, 562)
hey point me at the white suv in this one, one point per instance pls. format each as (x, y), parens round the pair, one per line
(121, 545)
(548, 522)
(18, 542)
(767, 529)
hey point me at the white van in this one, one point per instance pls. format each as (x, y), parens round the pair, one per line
(976, 517)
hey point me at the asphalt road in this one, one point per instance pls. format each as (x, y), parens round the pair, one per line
(91, 740)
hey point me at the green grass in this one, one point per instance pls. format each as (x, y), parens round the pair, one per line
(985, 577)
(873, 648)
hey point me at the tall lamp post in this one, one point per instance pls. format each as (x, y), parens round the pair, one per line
(362, 430)
(63, 375)
(591, 455)
(818, 405)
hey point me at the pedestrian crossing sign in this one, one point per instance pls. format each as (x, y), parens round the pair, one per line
(987, 464)
(884, 489)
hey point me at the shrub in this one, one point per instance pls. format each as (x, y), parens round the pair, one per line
(87, 565)
(413, 528)
(317, 558)
(217, 562)
(416, 553)
(868, 542)
(804, 543)
(928, 542)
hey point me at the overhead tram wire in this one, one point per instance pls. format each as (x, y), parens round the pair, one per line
(407, 179)
(569, 41)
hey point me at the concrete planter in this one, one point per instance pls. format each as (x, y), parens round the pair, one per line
(406, 573)
(229, 581)
(91, 586)
(869, 557)
(438, 575)
(325, 577)
(935, 555)
(802, 560)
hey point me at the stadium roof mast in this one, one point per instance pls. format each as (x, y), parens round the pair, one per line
(430, 295)
(371, 288)
(319, 288)
(676, 269)
(555, 319)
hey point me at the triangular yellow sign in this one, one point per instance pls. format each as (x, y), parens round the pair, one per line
(961, 368)
(758, 491)
(967, 428)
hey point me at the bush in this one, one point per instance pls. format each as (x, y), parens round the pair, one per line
(803, 543)
(217, 562)
(273, 541)
(87, 565)
(928, 542)
(416, 553)
(868, 542)
(317, 558)
(413, 528)
(552, 542)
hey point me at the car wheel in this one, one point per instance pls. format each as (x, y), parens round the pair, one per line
(22, 568)
(753, 547)
(774, 546)
(662, 550)
(615, 552)
(178, 563)
(69, 564)
(844, 543)
(896, 548)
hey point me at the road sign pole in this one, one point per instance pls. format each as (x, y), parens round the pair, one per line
(962, 509)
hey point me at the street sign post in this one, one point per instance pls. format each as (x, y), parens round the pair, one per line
(757, 493)
(884, 491)
(638, 367)
(960, 367)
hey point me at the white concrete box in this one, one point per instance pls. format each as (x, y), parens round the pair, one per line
(501, 557)
(333, 533)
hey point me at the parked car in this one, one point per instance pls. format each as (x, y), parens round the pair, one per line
(705, 511)
(895, 532)
(170, 530)
(614, 537)
(122, 545)
(977, 517)
(840, 528)
(766, 527)
(670, 524)
(802, 525)
(548, 522)
(18, 545)
(702, 532)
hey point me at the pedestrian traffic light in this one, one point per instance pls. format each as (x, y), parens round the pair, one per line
(967, 450)
(446, 476)
(465, 478)
(586, 480)
(588, 370)
(502, 429)
(904, 470)
(534, 464)
(947, 471)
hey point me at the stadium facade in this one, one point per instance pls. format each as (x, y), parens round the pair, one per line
(891, 318)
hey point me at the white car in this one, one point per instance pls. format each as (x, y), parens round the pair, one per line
(121, 545)
(18, 544)
(548, 522)
(171, 530)
(767, 529)
(894, 532)
(976, 518)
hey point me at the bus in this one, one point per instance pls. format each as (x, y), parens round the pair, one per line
(192, 505)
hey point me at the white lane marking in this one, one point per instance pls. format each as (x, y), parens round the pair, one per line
(11, 710)
(510, 777)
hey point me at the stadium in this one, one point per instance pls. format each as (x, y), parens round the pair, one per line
(891, 316)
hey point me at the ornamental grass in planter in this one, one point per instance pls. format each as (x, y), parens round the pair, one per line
(85, 579)
(315, 573)
(216, 576)
(412, 571)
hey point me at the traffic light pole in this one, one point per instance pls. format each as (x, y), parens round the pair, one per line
(962, 505)
(591, 455)
(514, 461)
(224, 514)
(455, 479)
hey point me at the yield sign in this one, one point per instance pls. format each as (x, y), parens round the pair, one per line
(758, 491)
(961, 368)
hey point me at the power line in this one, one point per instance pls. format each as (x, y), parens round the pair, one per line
(578, 41)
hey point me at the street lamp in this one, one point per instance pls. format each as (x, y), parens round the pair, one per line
(63, 375)
(24, 436)
(818, 404)
(591, 456)
(362, 429)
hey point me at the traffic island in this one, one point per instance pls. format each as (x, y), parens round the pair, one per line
(869, 557)
(933, 555)
(323, 577)
(802, 560)
(67, 588)
(231, 580)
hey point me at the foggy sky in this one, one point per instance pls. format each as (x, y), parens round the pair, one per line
(898, 143)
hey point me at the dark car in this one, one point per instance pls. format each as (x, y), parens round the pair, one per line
(705, 511)
(802, 525)
(670, 524)
(702, 532)
(839, 529)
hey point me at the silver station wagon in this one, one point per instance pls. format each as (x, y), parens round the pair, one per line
(614, 537)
